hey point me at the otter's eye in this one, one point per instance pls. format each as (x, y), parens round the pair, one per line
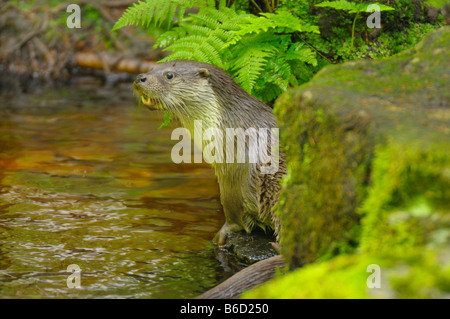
(169, 75)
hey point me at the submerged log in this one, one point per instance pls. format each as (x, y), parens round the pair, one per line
(246, 279)
(110, 63)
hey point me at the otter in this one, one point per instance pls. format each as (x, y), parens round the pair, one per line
(200, 91)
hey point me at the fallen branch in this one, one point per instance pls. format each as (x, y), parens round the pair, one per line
(94, 61)
(28, 37)
(245, 279)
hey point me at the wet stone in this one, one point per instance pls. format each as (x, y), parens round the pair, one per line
(250, 248)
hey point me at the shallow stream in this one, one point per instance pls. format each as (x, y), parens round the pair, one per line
(86, 178)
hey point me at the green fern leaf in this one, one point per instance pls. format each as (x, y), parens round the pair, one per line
(201, 48)
(203, 36)
(266, 91)
(181, 55)
(168, 116)
(143, 13)
(352, 7)
(282, 21)
(203, 19)
(257, 51)
(287, 22)
(228, 17)
(299, 51)
(168, 37)
(278, 72)
(250, 63)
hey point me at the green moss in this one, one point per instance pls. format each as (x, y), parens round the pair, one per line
(326, 165)
(417, 275)
(406, 231)
(330, 128)
(409, 199)
(342, 277)
(378, 149)
(422, 277)
(340, 272)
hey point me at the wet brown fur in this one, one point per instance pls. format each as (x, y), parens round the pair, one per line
(200, 91)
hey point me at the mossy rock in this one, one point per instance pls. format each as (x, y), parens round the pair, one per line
(362, 139)
(408, 203)
(368, 139)
(352, 276)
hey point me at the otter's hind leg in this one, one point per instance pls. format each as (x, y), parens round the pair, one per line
(222, 234)
(232, 204)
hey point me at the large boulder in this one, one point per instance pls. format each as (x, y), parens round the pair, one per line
(368, 150)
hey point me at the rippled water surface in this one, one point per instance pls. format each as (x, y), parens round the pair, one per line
(86, 178)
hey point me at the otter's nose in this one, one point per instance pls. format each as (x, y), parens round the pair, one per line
(141, 78)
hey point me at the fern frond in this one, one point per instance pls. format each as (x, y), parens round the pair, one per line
(205, 36)
(278, 74)
(299, 51)
(204, 19)
(181, 55)
(301, 73)
(200, 48)
(228, 17)
(250, 62)
(282, 21)
(188, 43)
(287, 22)
(168, 37)
(281, 73)
(351, 7)
(266, 91)
(168, 116)
(216, 34)
(258, 51)
(143, 13)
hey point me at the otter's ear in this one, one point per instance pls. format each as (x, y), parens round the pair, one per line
(203, 73)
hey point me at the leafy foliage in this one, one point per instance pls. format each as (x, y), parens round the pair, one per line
(167, 119)
(279, 48)
(438, 3)
(264, 52)
(203, 37)
(352, 7)
(257, 51)
(145, 12)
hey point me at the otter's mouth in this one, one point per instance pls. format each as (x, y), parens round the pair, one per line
(148, 101)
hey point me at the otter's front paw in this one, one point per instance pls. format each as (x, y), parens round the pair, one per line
(221, 235)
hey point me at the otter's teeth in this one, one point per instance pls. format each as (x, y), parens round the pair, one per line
(146, 101)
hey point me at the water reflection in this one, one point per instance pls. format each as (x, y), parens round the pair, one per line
(86, 179)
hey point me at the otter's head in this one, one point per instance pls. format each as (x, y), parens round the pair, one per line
(178, 86)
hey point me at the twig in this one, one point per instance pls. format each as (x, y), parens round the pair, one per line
(28, 37)
(300, 37)
(48, 55)
(318, 52)
(269, 8)
(110, 19)
(256, 5)
(353, 31)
